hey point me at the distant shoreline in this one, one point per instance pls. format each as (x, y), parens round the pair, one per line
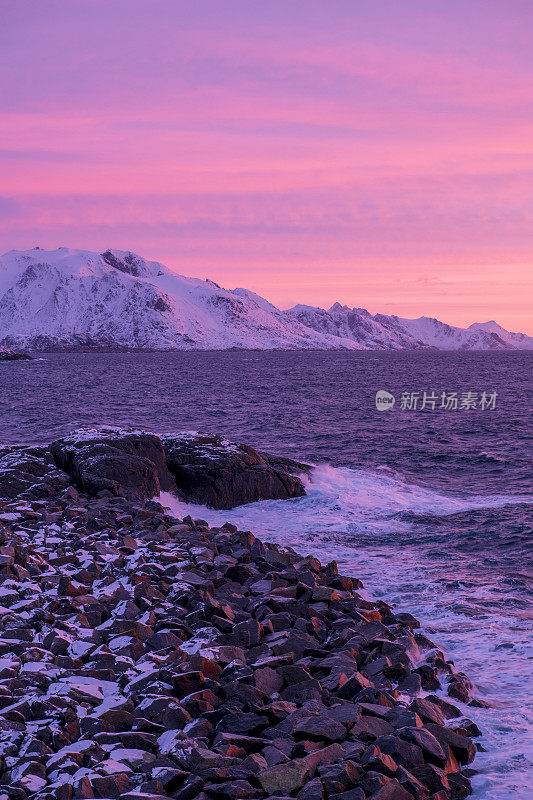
(85, 349)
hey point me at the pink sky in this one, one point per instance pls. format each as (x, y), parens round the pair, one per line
(375, 153)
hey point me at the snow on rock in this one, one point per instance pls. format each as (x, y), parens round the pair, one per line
(518, 340)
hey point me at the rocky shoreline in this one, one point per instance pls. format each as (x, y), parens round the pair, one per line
(8, 354)
(147, 657)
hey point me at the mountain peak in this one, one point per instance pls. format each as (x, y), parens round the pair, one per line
(132, 264)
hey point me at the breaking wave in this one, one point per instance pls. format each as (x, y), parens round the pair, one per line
(343, 499)
(459, 563)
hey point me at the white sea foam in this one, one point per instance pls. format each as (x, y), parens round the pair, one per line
(342, 499)
(361, 519)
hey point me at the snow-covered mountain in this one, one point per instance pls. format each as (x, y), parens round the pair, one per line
(75, 298)
(354, 323)
(390, 332)
(479, 336)
(72, 299)
(515, 340)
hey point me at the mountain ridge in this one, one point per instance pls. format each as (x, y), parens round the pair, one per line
(68, 299)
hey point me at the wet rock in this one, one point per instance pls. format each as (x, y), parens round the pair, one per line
(470, 728)
(449, 711)
(432, 777)
(427, 711)
(403, 752)
(459, 786)
(427, 743)
(412, 784)
(428, 677)
(212, 471)
(392, 790)
(285, 778)
(462, 747)
(459, 687)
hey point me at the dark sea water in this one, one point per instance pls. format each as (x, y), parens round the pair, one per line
(430, 508)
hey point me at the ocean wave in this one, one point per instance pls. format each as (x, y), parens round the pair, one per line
(350, 500)
(493, 457)
(453, 561)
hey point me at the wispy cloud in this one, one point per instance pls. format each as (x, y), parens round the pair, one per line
(312, 151)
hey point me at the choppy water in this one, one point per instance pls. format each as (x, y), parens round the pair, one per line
(431, 509)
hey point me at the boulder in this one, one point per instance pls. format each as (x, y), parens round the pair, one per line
(285, 777)
(320, 726)
(130, 463)
(140, 664)
(392, 790)
(7, 354)
(212, 471)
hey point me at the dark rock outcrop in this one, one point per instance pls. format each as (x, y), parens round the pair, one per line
(7, 354)
(138, 465)
(125, 462)
(220, 474)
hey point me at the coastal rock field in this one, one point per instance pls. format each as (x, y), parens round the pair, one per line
(146, 657)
